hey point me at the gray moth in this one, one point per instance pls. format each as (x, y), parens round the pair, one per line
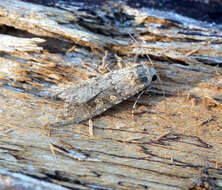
(94, 96)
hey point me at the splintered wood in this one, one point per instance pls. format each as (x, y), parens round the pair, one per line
(167, 137)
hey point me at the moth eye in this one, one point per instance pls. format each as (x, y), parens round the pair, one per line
(154, 78)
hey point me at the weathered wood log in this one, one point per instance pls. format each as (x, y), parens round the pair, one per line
(173, 141)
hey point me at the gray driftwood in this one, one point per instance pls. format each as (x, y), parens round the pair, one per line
(173, 141)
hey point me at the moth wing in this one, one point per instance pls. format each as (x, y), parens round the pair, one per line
(85, 91)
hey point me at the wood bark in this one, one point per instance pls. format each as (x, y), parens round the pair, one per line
(174, 139)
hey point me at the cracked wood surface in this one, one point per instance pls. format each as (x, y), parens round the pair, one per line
(174, 139)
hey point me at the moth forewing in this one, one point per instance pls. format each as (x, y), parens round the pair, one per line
(94, 96)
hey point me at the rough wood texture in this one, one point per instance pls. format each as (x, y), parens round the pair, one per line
(174, 139)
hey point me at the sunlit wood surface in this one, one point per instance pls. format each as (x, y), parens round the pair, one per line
(172, 141)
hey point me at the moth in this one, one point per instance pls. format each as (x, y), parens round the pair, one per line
(92, 97)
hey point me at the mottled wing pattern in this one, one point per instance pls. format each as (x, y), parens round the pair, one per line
(94, 96)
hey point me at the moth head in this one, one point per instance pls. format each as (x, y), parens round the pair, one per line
(146, 74)
(153, 74)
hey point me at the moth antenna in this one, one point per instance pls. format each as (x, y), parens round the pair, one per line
(148, 57)
(136, 56)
